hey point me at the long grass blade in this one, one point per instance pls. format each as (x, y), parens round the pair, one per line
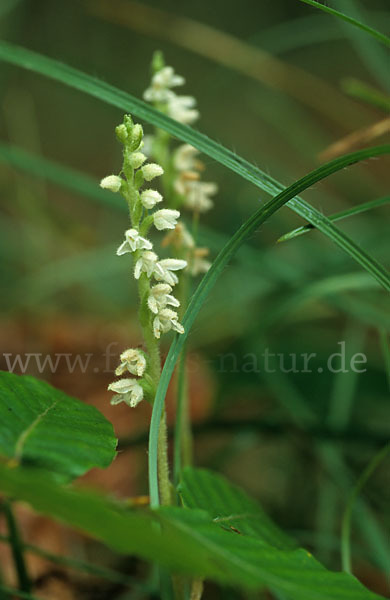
(205, 287)
(366, 93)
(376, 34)
(111, 95)
(350, 212)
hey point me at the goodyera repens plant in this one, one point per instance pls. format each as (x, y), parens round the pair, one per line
(160, 307)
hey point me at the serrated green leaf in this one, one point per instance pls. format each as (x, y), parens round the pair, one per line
(229, 506)
(43, 427)
(184, 541)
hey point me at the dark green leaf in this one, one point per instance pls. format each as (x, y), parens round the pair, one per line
(229, 506)
(43, 427)
(185, 541)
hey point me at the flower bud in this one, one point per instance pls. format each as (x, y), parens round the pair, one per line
(121, 133)
(111, 182)
(136, 136)
(151, 171)
(149, 198)
(137, 159)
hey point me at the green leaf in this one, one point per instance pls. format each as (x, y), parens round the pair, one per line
(207, 284)
(229, 506)
(376, 34)
(43, 427)
(185, 541)
(103, 91)
(367, 93)
(349, 212)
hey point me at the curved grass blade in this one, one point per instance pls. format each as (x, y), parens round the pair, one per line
(374, 56)
(366, 93)
(376, 34)
(103, 91)
(208, 282)
(350, 212)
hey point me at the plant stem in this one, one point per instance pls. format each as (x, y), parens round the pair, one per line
(17, 548)
(153, 349)
(196, 589)
(163, 464)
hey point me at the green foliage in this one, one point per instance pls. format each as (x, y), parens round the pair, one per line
(221, 533)
(43, 427)
(187, 541)
(210, 279)
(229, 506)
(116, 97)
(376, 34)
(51, 171)
(350, 212)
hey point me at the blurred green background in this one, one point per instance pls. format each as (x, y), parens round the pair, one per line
(274, 82)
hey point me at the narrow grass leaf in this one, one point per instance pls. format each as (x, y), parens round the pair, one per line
(208, 282)
(331, 11)
(350, 212)
(105, 92)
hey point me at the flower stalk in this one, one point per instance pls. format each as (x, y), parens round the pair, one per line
(156, 314)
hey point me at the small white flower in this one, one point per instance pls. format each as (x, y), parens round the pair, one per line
(111, 182)
(199, 264)
(137, 159)
(163, 270)
(185, 158)
(181, 108)
(151, 171)
(166, 320)
(128, 391)
(160, 297)
(134, 241)
(149, 198)
(146, 263)
(165, 218)
(132, 360)
(166, 77)
(162, 81)
(183, 182)
(197, 195)
(180, 237)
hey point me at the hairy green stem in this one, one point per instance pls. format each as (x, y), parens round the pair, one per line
(151, 343)
(163, 464)
(154, 368)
